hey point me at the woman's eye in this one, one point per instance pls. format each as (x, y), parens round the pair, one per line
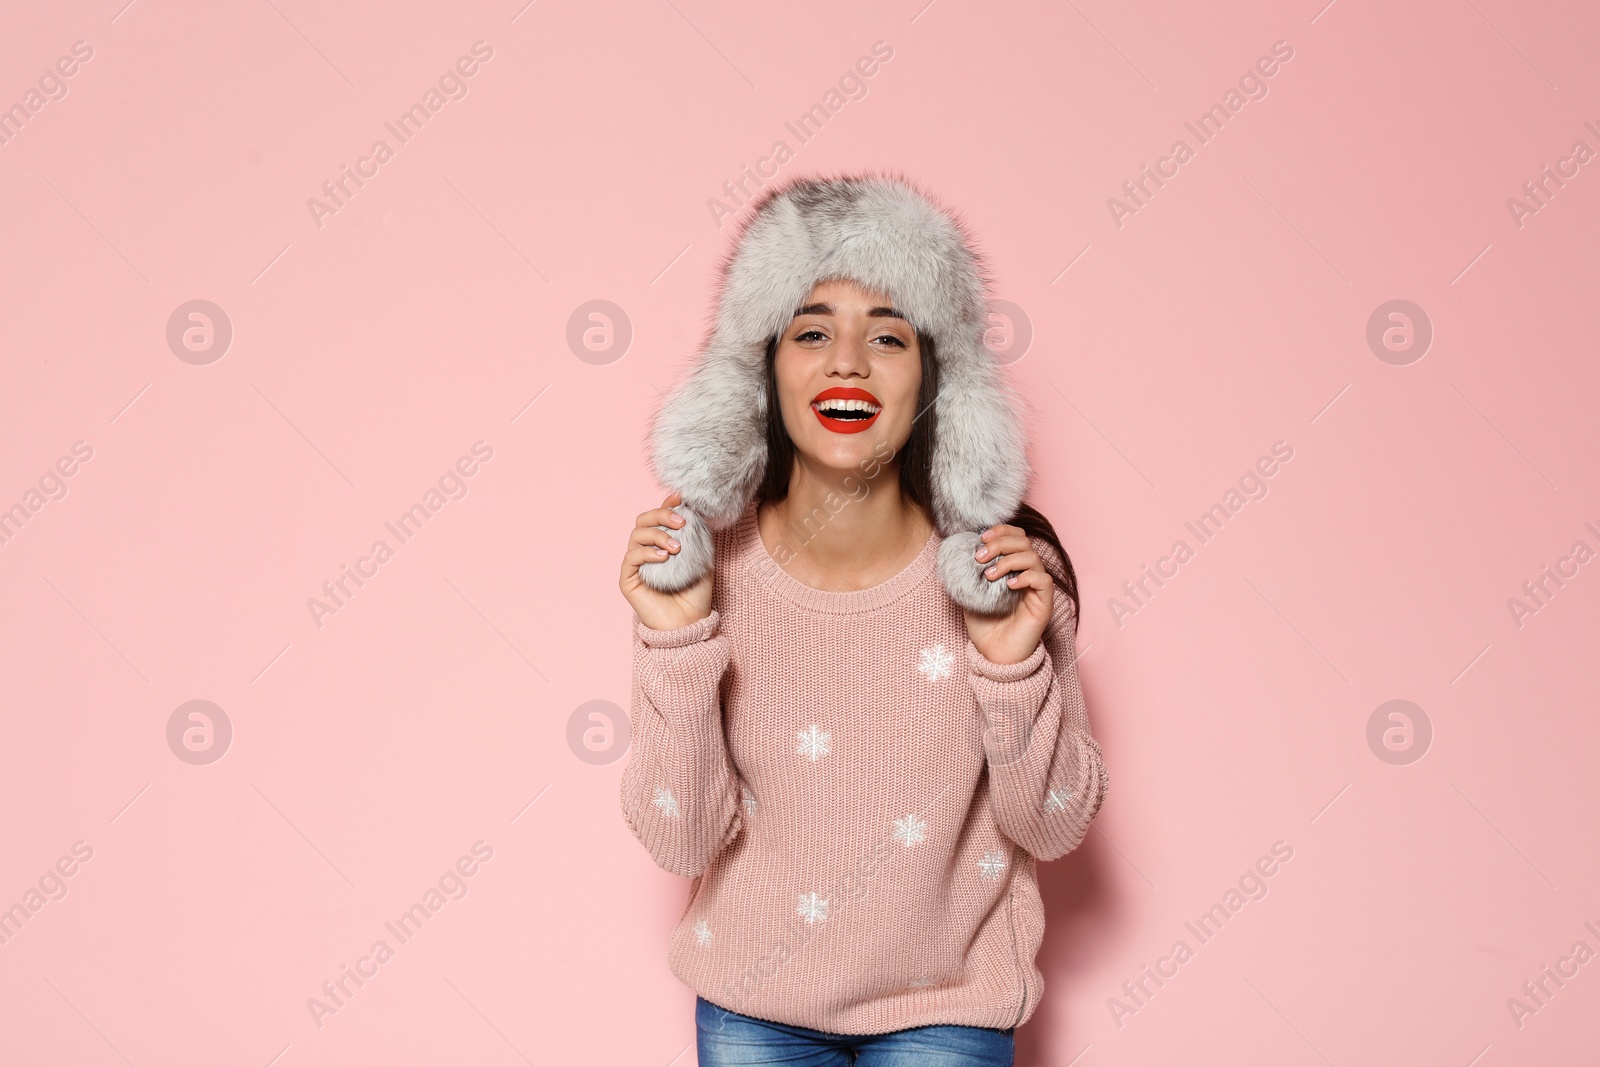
(818, 335)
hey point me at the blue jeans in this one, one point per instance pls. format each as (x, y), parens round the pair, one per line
(729, 1039)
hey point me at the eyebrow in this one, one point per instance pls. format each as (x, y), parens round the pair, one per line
(829, 309)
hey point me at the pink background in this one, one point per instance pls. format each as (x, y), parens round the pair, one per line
(432, 710)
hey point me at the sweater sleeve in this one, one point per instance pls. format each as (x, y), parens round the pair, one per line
(1046, 775)
(680, 794)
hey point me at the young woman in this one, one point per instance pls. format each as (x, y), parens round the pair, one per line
(857, 719)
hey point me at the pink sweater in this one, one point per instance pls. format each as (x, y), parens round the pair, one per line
(859, 795)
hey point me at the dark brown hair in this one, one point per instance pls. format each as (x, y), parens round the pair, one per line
(916, 464)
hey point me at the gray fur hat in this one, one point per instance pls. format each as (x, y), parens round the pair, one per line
(708, 439)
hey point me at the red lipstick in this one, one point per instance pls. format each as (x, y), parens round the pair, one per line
(850, 418)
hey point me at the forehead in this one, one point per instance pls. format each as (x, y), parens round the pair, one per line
(841, 291)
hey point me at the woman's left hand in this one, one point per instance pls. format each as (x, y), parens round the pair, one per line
(1012, 638)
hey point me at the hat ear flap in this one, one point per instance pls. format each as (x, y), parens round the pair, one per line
(980, 471)
(980, 465)
(691, 562)
(709, 439)
(963, 578)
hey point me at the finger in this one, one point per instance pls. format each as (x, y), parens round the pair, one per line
(647, 545)
(649, 537)
(1005, 535)
(1005, 544)
(1012, 562)
(639, 555)
(1032, 578)
(660, 517)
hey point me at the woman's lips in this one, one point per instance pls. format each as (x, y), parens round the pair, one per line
(847, 425)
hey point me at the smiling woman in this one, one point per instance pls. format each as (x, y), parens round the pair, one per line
(858, 750)
(847, 356)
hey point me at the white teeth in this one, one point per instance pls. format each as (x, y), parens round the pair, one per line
(849, 405)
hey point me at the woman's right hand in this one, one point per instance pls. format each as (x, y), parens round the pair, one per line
(661, 611)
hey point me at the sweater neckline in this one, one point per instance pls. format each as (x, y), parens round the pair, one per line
(770, 573)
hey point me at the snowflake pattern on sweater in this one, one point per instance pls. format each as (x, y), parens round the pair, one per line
(910, 830)
(813, 742)
(813, 909)
(1057, 800)
(666, 802)
(936, 663)
(992, 865)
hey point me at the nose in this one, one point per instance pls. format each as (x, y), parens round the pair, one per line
(848, 357)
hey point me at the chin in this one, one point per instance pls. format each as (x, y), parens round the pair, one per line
(849, 455)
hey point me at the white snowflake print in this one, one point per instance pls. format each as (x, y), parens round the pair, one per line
(813, 909)
(1057, 800)
(993, 862)
(936, 663)
(813, 742)
(702, 933)
(749, 800)
(910, 830)
(666, 802)
(918, 983)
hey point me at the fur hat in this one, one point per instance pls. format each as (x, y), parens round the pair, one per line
(708, 440)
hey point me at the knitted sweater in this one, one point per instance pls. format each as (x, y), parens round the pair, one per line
(859, 795)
